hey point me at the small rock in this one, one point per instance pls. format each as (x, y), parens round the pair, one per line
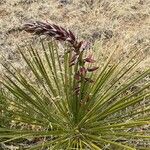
(10, 56)
(134, 7)
(3, 13)
(141, 2)
(2, 2)
(64, 1)
(96, 35)
(139, 41)
(108, 34)
(28, 1)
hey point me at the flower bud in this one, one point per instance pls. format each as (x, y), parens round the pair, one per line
(89, 59)
(92, 69)
(82, 71)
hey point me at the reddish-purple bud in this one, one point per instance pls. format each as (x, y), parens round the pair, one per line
(92, 69)
(82, 71)
(72, 36)
(89, 59)
(77, 47)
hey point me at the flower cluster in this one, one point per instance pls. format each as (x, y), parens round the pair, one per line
(82, 71)
(52, 30)
(61, 34)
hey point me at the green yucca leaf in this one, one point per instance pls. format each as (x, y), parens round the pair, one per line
(61, 112)
(99, 139)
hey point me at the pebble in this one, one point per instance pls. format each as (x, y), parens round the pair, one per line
(64, 1)
(108, 34)
(96, 35)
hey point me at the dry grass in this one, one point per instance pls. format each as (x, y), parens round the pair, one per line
(113, 22)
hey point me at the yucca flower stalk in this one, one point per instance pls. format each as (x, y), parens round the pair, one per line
(73, 101)
(77, 54)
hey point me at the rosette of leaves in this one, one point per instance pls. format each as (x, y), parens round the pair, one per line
(66, 102)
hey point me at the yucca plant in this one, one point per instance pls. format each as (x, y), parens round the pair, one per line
(69, 100)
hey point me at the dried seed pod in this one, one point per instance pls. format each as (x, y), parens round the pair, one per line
(92, 69)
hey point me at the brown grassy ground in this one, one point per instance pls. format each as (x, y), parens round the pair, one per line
(123, 22)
